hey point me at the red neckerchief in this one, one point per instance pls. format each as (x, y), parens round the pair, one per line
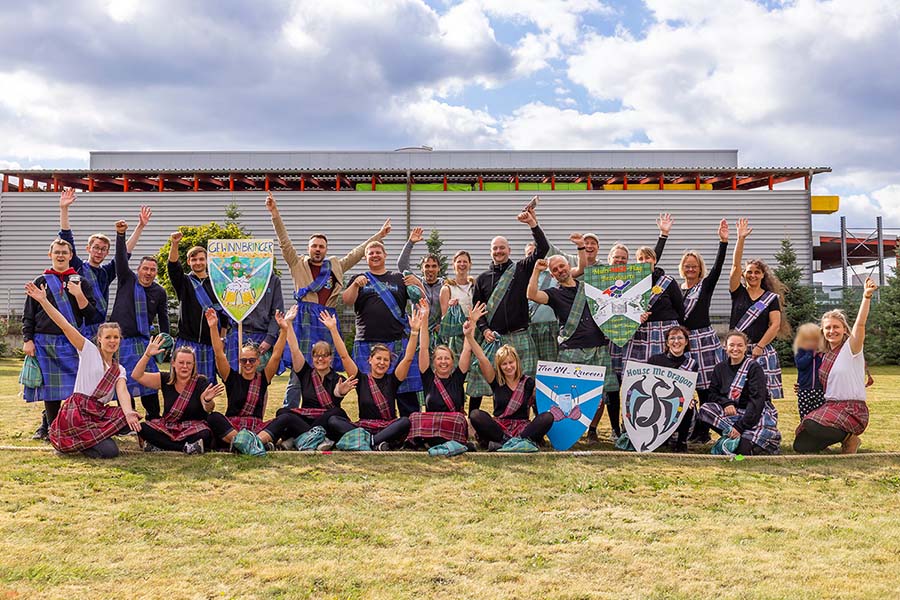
(69, 271)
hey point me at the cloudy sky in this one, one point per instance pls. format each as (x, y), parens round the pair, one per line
(799, 83)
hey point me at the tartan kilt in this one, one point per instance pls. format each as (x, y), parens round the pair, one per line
(706, 349)
(615, 357)
(851, 416)
(524, 345)
(233, 352)
(475, 383)
(309, 330)
(512, 427)
(649, 339)
(206, 357)
(179, 430)
(596, 357)
(444, 425)
(83, 422)
(373, 426)
(808, 401)
(89, 330)
(413, 381)
(765, 434)
(772, 368)
(455, 343)
(58, 360)
(543, 335)
(254, 424)
(130, 351)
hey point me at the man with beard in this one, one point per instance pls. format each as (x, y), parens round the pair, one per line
(432, 283)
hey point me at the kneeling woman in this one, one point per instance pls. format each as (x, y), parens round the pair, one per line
(443, 384)
(242, 426)
(513, 398)
(844, 415)
(187, 398)
(376, 394)
(677, 356)
(739, 405)
(86, 422)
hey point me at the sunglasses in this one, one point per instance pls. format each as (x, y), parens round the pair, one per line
(248, 361)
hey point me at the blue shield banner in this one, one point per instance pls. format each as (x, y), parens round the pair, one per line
(655, 400)
(239, 271)
(573, 394)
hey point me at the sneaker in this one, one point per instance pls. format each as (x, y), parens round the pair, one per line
(190, 447)
(325, 446)
(288, 444)
(471, 447)
(614, 437)
(148, 447)
(494, 446)
(41, 434)
(382, 447)
(592, 437)
(269, 446)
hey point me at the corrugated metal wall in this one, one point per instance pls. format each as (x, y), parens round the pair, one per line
(29, 221)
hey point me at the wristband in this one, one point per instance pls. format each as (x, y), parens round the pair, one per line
(869, 296)
(579, 248)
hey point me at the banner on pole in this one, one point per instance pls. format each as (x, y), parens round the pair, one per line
(239, 271)
(572, 394)
(617, 296)
(655, 400)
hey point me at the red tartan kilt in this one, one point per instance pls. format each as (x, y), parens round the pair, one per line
(847, 415)
(373, 426)
(83, 423)
(179, 430)
(254, 424)
(512, 427)
(444, 425)
(312, 413)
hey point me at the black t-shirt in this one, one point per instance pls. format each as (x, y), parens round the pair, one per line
(503, 393)
(669, 361)
(740, 303)
(454, 385)
(388, 386)
(308, 390)
(753, 395)
(237, 388)
(194, 410)
(587, 334)
(374, 321)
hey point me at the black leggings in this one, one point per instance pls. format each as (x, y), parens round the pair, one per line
(474, 402)
(816, 437)
(164, 442)
(150, 402)
(701, 429)
(394, 434)
(408, 403)
(320, 421)
(612, 408)
(489, 430)
(52, 409)
(105, 449)
(285, 425)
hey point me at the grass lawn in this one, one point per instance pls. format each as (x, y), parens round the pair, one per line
(552, 525)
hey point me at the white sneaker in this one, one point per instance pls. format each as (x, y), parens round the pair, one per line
(194, 448)
(325, 446)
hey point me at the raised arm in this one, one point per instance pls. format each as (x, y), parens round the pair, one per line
(713, 276)
(139, 373)
(39, 295)
(66, 199)
(281, 232)
(278, 349)
(350, 294)
(143, 219)
(487, 370)
(123, 272)
(424, 346)
(541, 245)
(330, 323)
(664, 223)
(356, 255)
(858, 334)
(414, 238)
(743, 230)
(415, 326)
(222, 366)
(533, 293)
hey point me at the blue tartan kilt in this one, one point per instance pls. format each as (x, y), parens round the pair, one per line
(206, 358)
(362, 350)
(309, 330)
(233, 352)
(130, 352)
(772, 368)
(89, 330)
(765, 434)
(59, 367)
(706, 349)
(649, 339)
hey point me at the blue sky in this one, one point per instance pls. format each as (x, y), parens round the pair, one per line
(787, 82)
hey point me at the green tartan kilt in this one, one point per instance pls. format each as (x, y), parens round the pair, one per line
(596, 357)
(544, 334)
(521, 341)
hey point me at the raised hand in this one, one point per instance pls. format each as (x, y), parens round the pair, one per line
(478, 311)
(385, 229)
(66, 198)
(270, 203)
(282, 322)
(121, 226)
(577, 239)
(345, 385)
(328, 320)
(39, 294)
(425, 308)
(415, 321)
(416, 236)
(144, 217)
(212, 391)
(212, 319)
(154, 347)
(542, 264)
(871, 286)
(743, 228)
(175, 237)
(528, 217)
(723, 230)
(468, 329)
(664, 222)
(291, 314)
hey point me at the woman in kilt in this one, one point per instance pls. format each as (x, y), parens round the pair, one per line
(443, 418)
(187, 399)
(242, 427)
(697, 288)
(86, 422)
(513, 397)
(456, 301)
(844, 416)
(739, 405)
(678, 356)
(756, 309)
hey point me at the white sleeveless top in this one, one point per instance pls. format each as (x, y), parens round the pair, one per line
(847, 378)
(462, 293)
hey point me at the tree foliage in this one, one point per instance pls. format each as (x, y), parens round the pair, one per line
(195, 236)
(883, 326)
(435, 243)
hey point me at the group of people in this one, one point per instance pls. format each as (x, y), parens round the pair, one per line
(423, 346)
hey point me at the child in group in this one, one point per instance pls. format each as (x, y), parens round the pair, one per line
(809, 350)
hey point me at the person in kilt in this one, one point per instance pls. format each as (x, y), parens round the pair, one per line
(431, 283)
(678, 356)
(665, 309)
(844, 416)
(697, 289)
(443, 380)
(195, 295)
(318, 281)
(379, 299)
(139, 300)
(45, 341)
(86, 421)
(756, 309)
(259, 326)
(502, 289)
(513, 393)
(456, 301)
(809, 352)
(188, 398)
(242, 427)
(739, 405)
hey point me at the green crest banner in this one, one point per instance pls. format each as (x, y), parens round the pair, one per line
(617, 296)
(239, 271)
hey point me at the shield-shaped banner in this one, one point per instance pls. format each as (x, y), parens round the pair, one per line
(617, 296)
(239, 271)
(573, 394)
(656, 400)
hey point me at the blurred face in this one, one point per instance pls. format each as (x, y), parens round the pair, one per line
(809, 342)
(508, 367)
(560, 270)
(735, 348)
(462, 264)
(321, 360)
(197, 263)
(619, 256)
(753, 275)
(380, 362)
(375, 257)
(430, 270)
(834, 331)
(109, 338)
(146, 272)
(591, 247)
(646, 258)
(248, 361)
(183, 365)
(98, 250)
(442, 362)
(676, 343)
(691, 268)
(318, 250)
(499, 250)
(60, 255)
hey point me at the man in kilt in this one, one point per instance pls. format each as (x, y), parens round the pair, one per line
(318, 281)
(44, 340)
(259, 327)
(139, 301)
(502, 289)
(543, 325)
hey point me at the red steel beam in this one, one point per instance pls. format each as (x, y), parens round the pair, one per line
(5, 183)
(552, 181)
(624, 181)
(480, 183)
(662, 181)
(590, 186)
